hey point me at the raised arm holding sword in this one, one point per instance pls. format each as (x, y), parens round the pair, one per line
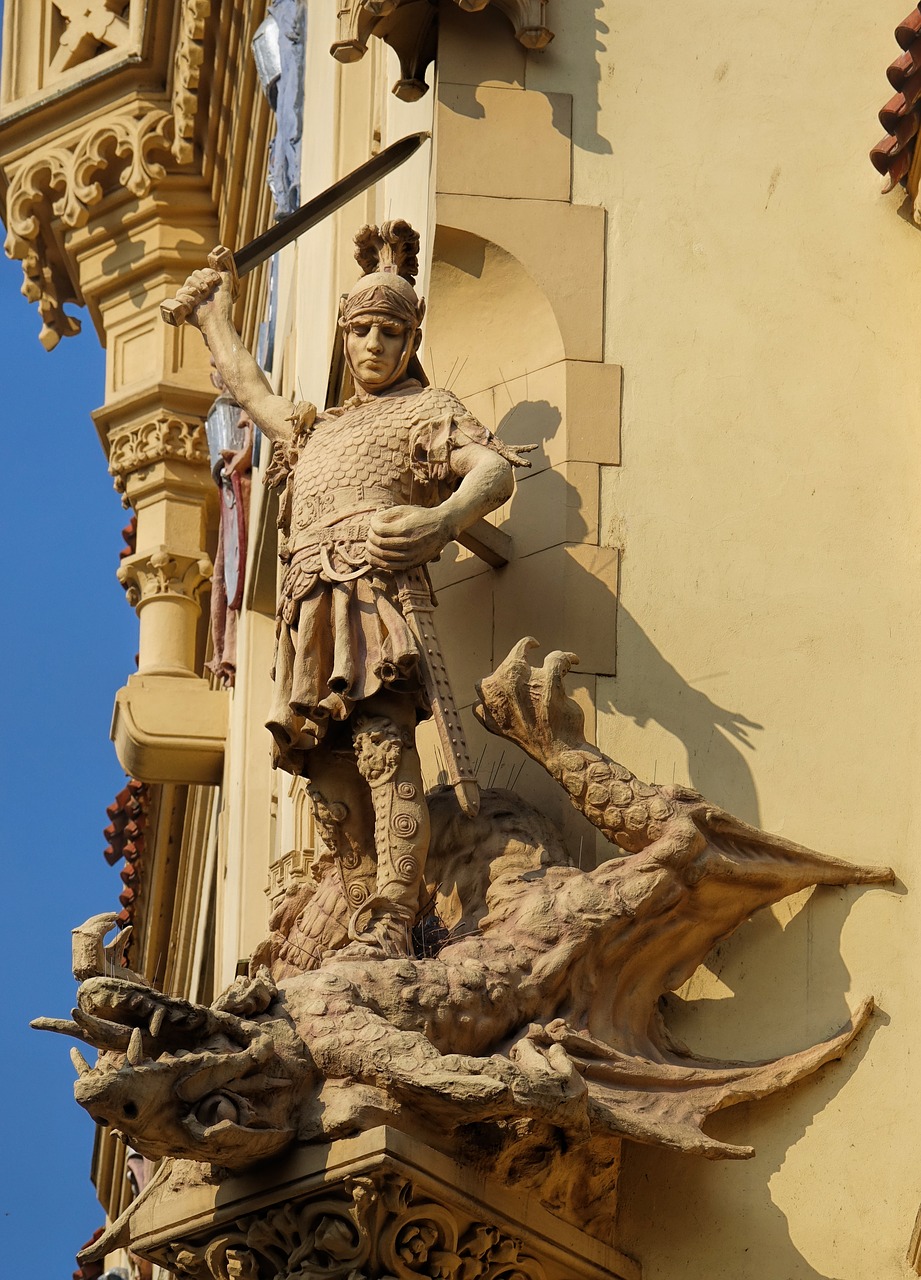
(373, 490)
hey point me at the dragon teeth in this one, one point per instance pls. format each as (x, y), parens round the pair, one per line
(136, 1048)
(81, 1064)
(157, 1019)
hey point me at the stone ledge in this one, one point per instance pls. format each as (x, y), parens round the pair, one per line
(170, 729)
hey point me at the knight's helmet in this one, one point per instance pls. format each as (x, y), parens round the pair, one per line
(388, 256)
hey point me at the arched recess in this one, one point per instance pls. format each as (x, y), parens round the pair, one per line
(505, 334)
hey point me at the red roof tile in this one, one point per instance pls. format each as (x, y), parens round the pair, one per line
(91, 1270)
(901, 116)
(130, 536)
(126, 839)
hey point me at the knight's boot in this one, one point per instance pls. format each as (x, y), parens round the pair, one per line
(388, 761)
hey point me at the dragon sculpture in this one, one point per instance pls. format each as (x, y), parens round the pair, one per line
(527, 1039)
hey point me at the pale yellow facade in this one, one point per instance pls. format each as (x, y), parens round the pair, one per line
(656, 250)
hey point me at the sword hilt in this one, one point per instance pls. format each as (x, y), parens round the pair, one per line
(175, 312)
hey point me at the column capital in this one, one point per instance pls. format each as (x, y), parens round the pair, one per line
(163, 438)
(163, 572)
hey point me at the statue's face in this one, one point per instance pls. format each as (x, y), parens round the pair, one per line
(377, 351)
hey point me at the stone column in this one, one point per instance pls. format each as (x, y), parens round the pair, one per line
(169, 724)
(106, 214)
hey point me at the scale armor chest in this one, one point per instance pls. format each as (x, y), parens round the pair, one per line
(349, 459)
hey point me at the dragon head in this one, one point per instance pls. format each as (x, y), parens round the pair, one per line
(213, 1083)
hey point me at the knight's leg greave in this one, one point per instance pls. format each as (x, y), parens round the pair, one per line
(388, 761)
(345, 820)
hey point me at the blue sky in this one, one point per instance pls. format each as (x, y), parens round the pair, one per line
(67, 643)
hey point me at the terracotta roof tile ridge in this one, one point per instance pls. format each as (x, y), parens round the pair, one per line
(901, 116)
(125, 835)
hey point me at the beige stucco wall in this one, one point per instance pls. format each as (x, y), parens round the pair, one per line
(759, 298)
(757, 295)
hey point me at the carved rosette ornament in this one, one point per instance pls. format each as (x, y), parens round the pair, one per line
(164, 438)
(162, 572)
(54, 189)
(410, 28)
(371, 1226)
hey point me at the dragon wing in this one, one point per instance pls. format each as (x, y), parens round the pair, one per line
(688, 890)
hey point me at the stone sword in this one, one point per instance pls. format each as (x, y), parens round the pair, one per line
(415, 595)
(308, 215)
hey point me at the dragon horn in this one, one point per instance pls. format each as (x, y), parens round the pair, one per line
(63, 1026)
(81, 1064)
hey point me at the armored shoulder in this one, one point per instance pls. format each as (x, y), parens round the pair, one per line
(441, 423)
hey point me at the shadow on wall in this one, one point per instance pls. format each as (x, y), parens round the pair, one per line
(579, 40)
(648, 688)
(581, 28)
(722, 1219)
(548, 510)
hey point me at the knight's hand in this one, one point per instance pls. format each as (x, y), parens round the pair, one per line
(402, 537)
(208, 294)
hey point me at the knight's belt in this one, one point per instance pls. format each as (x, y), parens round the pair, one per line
(345, 518)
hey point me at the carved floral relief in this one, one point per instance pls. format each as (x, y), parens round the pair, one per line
(373, 1225)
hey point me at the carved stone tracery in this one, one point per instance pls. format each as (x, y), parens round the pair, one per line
(165, 437)
(410, 28)
(372, 1225)
(90, 27)
(57, 187)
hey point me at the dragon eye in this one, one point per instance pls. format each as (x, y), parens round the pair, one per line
(215, 1108)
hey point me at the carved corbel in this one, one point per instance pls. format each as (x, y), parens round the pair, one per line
(164, 438)
(410, 28)
(54, 190)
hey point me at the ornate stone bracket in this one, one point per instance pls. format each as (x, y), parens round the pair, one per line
(410, 28)
(55, 189)
(377, 1206)
(371, 1225)
(164, 438)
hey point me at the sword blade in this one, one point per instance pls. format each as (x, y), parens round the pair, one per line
(327, 202)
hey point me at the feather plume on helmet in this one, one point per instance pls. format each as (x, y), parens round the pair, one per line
(389, 258)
